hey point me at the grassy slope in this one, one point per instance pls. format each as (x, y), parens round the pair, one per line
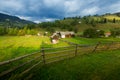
(14, 46)
(100, 66)
(111, 17)
(106, 27)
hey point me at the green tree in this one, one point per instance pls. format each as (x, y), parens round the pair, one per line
(21, 32)
(114, 20)
(93, 23)
(93, 33)
(74, 22)
(13, 31)
(115, 32)
(75, 30)
(10, 31)
(2, 31)
(105, 20)
(33, 32)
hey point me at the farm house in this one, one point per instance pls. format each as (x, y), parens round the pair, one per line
(107, 34)
(66, 34)
(55, 38)
(58, 34)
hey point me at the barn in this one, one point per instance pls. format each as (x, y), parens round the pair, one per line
(54, 38)
(60, 34)
(66, 34)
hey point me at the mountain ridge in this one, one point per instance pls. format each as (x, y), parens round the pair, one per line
(13, 21)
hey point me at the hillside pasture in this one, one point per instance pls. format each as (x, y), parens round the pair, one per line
(111, 17)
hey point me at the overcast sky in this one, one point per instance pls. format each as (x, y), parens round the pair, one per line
(48, 10)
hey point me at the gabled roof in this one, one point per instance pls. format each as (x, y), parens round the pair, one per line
(62, 33)
(67, 32)
(54, 34)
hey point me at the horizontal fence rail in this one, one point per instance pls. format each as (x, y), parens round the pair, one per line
(13, 68)
(18, 58)
(10, 70)
(49, 55)
(60, 51)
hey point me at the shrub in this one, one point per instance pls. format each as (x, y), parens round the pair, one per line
(21, 33)
(93, 33)
(115, 32)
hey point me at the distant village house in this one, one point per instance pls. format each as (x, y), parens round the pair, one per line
(107, 34)
(60, 34)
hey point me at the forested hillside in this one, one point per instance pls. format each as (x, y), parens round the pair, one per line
(12, 21)
(79, 24)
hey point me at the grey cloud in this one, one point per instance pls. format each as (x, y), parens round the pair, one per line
(57, 9)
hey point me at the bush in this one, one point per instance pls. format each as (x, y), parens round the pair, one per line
(13, 31)
(2, 31)
(21, 33)
(93, 33)
(115, 32)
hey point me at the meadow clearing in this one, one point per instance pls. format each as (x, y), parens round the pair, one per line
(14, 46)
(97, 66)
(103, 65)
(91, 41)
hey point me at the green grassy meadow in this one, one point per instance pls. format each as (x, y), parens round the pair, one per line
(91, 41)
(96, 66)
(14, 46)
(103, 65)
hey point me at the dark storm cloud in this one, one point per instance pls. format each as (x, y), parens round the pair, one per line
(47, 10)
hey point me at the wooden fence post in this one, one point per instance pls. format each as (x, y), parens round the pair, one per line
(43, 55)
(76, 46)
(119, 45)
(96, 46)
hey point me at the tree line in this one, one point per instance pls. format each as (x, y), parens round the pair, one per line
(18, 31)
(95, 33)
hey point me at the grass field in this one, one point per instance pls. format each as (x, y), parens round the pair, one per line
(14, 46)
(99, 66)
(91, 41)
(111, 17)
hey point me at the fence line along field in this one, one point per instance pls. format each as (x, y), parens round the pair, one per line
(14, 46)
(44, 52)
(26, 63)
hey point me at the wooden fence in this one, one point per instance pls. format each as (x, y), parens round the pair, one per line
(22, 65)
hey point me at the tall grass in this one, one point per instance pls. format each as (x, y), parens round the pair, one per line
(14, 46)
(99, 66)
